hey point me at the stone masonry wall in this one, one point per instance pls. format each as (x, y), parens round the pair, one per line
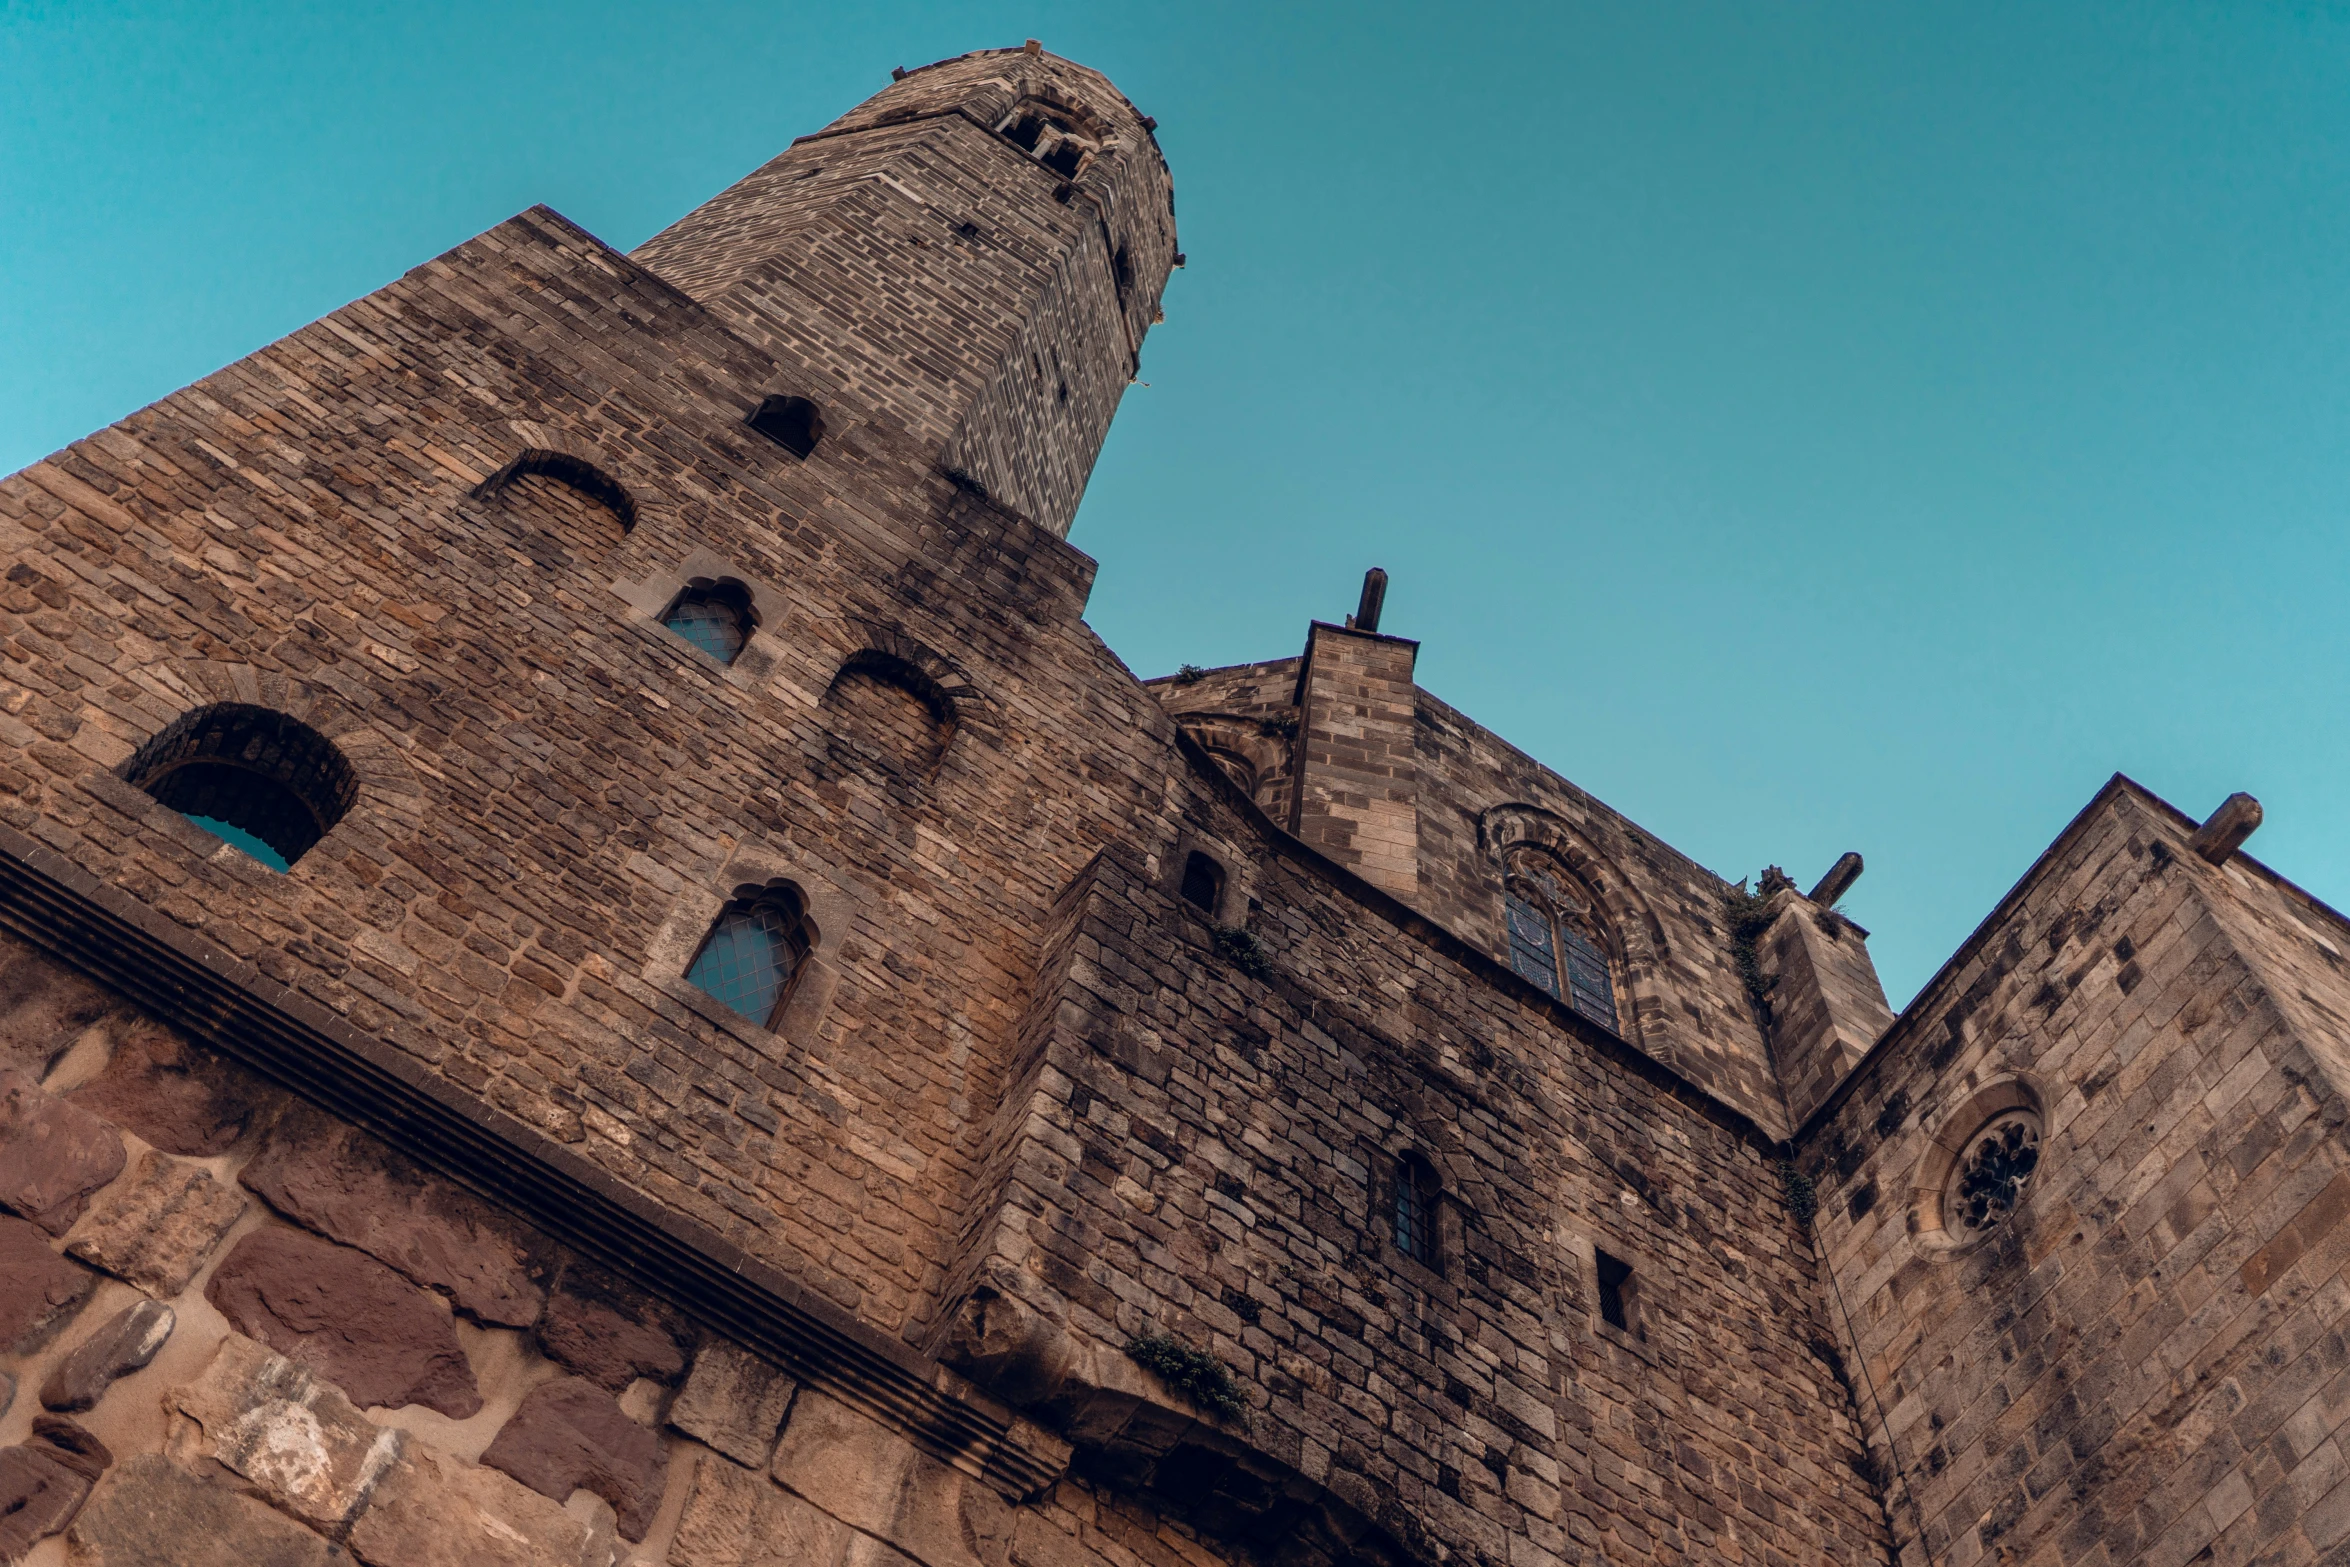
(2146, 1362)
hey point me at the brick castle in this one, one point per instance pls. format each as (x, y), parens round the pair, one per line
(596, 966)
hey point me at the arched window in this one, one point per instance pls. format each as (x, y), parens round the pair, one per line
(1413, 1209)
(1203, 883)
(753, 952)
(269, 784)
(714, 616)
(1555, 941)
(1057, 137)
(793, 423)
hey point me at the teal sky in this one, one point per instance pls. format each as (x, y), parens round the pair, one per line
(1808, 427)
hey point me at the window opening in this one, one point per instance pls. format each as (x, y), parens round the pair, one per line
(573, 473)
(1554, 941)
(793, 423)
(752, 954)
(1415, 1210)
(269, 784)
(1050, 137)
(1989, 1179)
(1615, 1291)
(1203, 882)
(715, 617)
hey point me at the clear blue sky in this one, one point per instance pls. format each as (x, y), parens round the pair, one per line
(1808, 427)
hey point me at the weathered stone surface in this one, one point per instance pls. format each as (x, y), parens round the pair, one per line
(609, 1334)
(44, 1007)
(569, 1435)
(349, 1187)
(345, 1315)
(735, 1402)
(875, 1479)
(124, 1343)
(150, 1513)
(180, 1097)
(44, 1481)
(53, 1155)
(300, 1443)
(41, 1290)
(7, 1392)
(157, 1225)
(737, 1517)
(432, 1510)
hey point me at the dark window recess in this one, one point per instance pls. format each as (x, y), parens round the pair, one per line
(1203, 882)
(269, 784)
(1063, 159)
(793, 423)
(1415, 1210)
(1024, 131)
(1122, 271)
(715, 617)
(1530, 951)
(753, 952)
(1553, 944)
(1615, 1292)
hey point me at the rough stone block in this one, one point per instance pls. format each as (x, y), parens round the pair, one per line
(382, 1340)
(570, 1435)
(43, 1483)
(349, 1187)
(42, 1290)
(124, 1343)
(299, 1442)
(149, 1513)
(44, 1007)
(737, 1517)
(876, 1480)
(609, 1334)
(53, 1155)
(432, 1510)
(735, 1402)
(180, 1097)
(156, 1226)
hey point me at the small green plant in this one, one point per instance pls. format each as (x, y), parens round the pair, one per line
(1803, 1197)
(1748, 915)
(1189, 675)
(1285, 727)
(1244, 952)
(1196, 1374)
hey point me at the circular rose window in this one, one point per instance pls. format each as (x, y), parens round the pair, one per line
(1993, 1168)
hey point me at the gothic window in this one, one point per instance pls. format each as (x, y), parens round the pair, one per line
(714, 616)
(1556, 941)
(267, 783)
(793, 423)
(1203, 882)
(1614, 1277)
(1053, 136)
(753, 952)
(1990, 1175)
(1413, 1210)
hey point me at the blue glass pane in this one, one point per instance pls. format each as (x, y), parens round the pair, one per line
(709, 624)
(244, 840)
(746, 961)
(1410, 1224)
(1530, 943)
(1593, 994)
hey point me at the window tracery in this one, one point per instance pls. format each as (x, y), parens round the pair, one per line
(753, 952)
(714, 616)
(1992, 1172)
(1555, 938)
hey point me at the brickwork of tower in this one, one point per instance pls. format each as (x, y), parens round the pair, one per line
(597, 966)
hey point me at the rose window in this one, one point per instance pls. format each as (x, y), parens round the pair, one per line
(1992, 1171)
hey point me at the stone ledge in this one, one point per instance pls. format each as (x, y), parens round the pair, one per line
(188, 982)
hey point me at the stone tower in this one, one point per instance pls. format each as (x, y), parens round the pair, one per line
(597, 966)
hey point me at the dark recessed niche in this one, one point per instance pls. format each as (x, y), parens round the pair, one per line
(269, 784)
(793, 423)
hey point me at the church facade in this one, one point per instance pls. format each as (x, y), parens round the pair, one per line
(596, 966)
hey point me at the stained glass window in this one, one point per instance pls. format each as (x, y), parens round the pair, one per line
(1530, 950)
(750, 957)
(1589, 990)
(1552, 944)
(1411, 1213)
(712, 620)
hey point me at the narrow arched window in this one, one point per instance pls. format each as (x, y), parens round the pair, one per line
(1556, 941)
(714, 616)
(1203, 882)
(754, 951)
(793, 423)
(269, 784)
(1414, 1209)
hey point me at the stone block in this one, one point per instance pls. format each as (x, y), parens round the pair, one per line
(44, 1007)
(874, 1479)
(608, 1333)
(53, 1155)
(150, 1513)
(156, 1226)
(43, 1288)
(44, 1481)
(296, 1440)
(735, 1402)
(382, 1340)
(349, 1187)
(180, 1097)
(737, 1517)
(431, 1510)
(570, 1435)
(124, 1343)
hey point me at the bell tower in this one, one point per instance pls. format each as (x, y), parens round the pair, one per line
(971, 256)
